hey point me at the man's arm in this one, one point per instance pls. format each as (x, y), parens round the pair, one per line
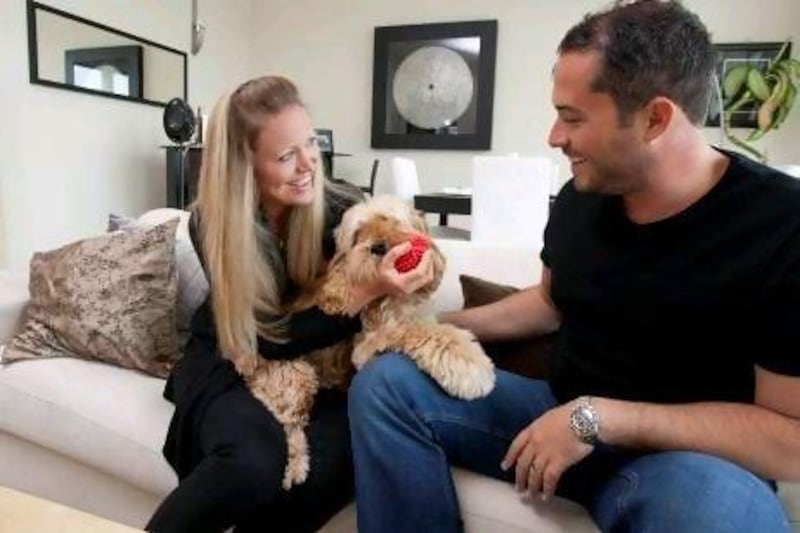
(525, 313)
(764, 438)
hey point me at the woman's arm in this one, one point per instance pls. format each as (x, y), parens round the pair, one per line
(313, 329)
(310, 330)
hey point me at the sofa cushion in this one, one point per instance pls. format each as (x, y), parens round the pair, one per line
(110, 298)
(514, 265)
(108, 417)
(192, 283)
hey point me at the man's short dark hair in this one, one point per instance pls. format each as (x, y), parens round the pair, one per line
(648, 48)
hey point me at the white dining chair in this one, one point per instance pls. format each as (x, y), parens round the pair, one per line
(510, 199)
(405, 182)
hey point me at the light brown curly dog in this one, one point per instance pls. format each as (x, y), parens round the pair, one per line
(450, 355)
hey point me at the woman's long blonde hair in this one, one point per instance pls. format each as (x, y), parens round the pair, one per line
(246, 277)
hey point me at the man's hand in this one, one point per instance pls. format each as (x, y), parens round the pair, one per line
(543, 451)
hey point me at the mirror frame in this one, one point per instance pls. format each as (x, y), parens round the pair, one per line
(33, 55)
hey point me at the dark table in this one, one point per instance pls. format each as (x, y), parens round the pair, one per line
(444, 204)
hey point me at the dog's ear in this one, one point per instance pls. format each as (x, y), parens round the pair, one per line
(439, 264)
(419, 223)
(335, 295)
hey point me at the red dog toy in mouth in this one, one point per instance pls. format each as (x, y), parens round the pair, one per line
(410, 260)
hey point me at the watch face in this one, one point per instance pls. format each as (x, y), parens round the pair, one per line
(584, 423)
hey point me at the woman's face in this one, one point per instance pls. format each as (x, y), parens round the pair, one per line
(285, 160)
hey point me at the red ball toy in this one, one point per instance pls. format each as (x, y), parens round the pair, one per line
(410, 260)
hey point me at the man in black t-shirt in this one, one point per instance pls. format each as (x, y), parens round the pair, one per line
(672, 274)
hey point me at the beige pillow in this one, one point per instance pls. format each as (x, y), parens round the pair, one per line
(192, 284)
(109, 298)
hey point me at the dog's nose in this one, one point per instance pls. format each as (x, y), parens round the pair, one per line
(379, 248)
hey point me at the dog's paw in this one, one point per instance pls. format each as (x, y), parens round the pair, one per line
(459, 364)
(362, 354)
(298, 462)
(466, 377)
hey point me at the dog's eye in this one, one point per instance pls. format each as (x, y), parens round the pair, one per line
(379, 248)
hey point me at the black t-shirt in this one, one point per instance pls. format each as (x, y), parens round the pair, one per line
(678, 310)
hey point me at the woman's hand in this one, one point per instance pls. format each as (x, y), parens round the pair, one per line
(395, 283)
(390, 281)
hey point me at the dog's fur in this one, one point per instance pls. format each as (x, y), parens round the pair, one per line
(450, 355)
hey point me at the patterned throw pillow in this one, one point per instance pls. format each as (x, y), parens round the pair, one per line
(527, 357)
(108, 298)
(192, 283)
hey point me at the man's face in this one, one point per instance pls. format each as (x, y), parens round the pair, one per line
(605, 157)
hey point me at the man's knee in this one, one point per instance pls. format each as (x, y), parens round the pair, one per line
(688, 491)
(391, 371)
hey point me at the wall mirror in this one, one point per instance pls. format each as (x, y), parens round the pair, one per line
(77, 54)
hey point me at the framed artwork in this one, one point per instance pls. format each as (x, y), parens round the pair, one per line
(730, 55)
(433, 85)
(113, 69)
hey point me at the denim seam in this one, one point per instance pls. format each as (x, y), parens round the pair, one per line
(622, 501)
(428, 419)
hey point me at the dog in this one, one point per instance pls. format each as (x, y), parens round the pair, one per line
(448, 354)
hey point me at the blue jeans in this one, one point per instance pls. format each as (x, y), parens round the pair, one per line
(406, 432)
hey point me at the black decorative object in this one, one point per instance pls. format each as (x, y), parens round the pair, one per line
(179, 125)
(433, 85)
(179, 121)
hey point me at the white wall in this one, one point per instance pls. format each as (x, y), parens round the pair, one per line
(68, 159)
(327, 48)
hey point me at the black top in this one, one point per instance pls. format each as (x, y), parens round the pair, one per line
(307, 330)
(678, 310)
(203, 374)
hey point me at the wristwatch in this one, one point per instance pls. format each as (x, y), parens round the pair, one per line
(584, 420)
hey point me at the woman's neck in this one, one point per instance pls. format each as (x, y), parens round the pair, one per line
(276, 219)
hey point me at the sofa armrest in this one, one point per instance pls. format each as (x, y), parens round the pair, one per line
(13, 300)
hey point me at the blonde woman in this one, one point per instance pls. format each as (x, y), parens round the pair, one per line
(263, 219)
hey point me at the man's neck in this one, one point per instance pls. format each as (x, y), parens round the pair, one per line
(684, 171)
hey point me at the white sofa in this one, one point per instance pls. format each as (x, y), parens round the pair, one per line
(89, 435)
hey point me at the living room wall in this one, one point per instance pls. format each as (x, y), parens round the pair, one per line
(327, 48)
(68, 159)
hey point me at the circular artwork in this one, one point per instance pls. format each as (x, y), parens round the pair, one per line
(432, 87)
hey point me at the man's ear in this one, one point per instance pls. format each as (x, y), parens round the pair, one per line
(658, 115)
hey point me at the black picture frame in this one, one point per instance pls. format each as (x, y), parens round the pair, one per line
(475, 42)
(126, 59)
(730, 55)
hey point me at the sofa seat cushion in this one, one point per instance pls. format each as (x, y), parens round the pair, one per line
(108, 417)
(512, 265)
